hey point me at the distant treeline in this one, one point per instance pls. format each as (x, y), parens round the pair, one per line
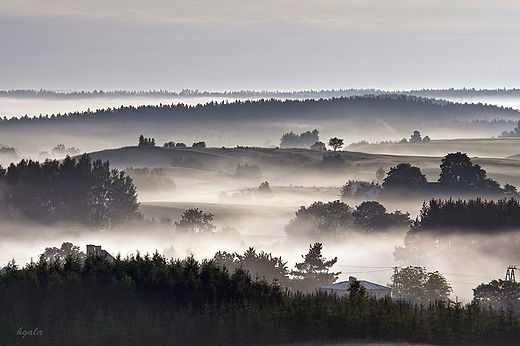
(150, 300)
(353, 108)
(451, 92)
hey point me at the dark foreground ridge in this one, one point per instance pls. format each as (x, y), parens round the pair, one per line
(150, 300)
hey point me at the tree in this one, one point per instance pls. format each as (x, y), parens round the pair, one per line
(321, 220)
(354, 188)
(264, 189)
(336, 143)
(303, 140)
(194, 220)
(146, 142)
(318, 146)
(415, 282)
(459, 174)
(416, 137)
(52, 254)
(371, 216)
(405, 179)
(169, 144)
(199, 145)
(499, 294)
(314, 272)
(426, 139)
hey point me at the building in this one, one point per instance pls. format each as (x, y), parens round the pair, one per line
(341, 288)
(95, 250)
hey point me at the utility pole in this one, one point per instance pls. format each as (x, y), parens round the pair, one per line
(510, 273)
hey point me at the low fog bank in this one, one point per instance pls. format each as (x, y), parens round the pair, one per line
(465, 263)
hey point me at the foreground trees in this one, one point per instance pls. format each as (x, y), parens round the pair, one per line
(81, 191)
(151, 300)
(500, 294)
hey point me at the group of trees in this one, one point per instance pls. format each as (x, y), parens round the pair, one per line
(334, 219)
(303, 140)
(248, 171)
(146, 142)
(468, 216)
(81, 191)
(150, 179)
(171, 144)
(416, 283)
(150, 299)
(451, 226)
(307, 276)
(416, 138)
(514, 133)
(458, 175)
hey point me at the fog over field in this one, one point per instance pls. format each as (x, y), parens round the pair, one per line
(236, 157)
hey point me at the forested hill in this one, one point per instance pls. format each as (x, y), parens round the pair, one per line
(398, 107)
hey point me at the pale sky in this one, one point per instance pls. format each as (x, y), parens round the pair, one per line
(258, 44)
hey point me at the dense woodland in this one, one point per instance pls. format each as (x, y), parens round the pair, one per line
(151, 300)
(82, 191)
(355, 107)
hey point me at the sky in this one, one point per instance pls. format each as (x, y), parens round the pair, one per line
(222, 45)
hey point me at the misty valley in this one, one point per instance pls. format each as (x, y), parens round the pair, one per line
(260, 217)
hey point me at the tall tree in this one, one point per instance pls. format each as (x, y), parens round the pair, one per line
(314, 272)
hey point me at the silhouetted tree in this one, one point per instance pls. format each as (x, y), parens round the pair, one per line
(459, 174)
(146, 142)
(354, 189)
(500, 294)
(336, 143)
(321, 220)
(313, 272)
(199, 145)
(180, 145)
(416, 137)
(404, 179)
(194, 220)
(83, 191)
(52, 254)
(264, 189)
(169, 144)
(371, 216)
(303, 140)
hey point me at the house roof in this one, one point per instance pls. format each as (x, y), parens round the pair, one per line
(344, 285)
